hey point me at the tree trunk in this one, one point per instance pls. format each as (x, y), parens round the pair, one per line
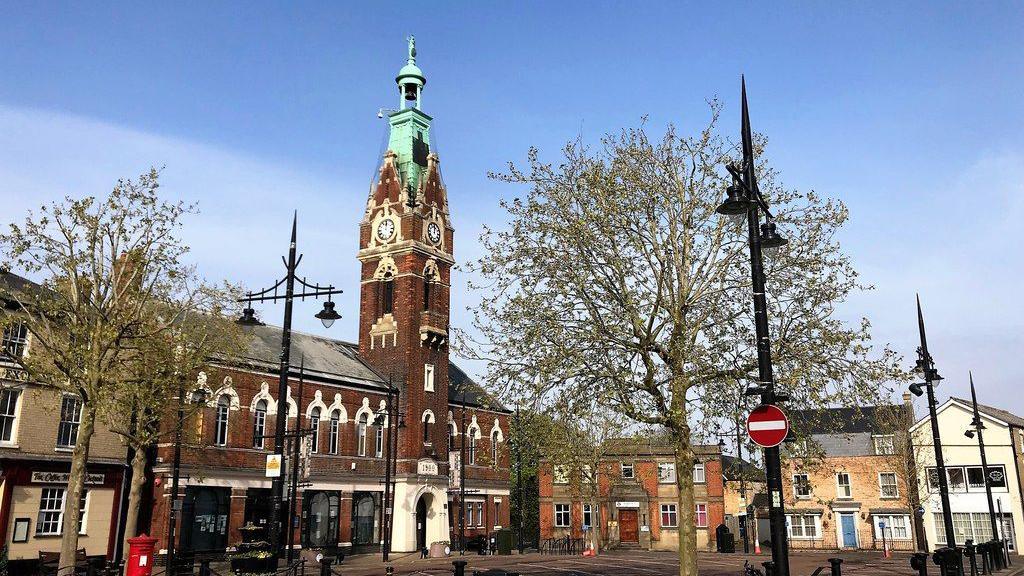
(73, 494)
(135, 495)
(686, 504)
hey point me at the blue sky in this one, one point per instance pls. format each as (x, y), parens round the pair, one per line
(909, 112)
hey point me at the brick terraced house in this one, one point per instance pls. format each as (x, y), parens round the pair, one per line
(636, 504)
(405, 254)
(853, 486)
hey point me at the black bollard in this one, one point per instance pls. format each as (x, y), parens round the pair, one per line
(919, 562)
(970, 550)
(949, 560)
(837, 566)
(325, 567)
(986, 558)
(769, 568)
(997, 552)
(204, 567)
(460, 567)
(389, 570)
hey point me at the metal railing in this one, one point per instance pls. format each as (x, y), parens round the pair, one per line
(562, 546)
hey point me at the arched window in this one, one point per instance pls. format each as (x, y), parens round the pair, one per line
(428, 419)
(220, 424)
(378, 445)
(387, 295)
(332, 440)
(314, 430)
(472, 445)
(451, 436)
(361, 434)
(426, 293)
(494, 449)
(259, 425)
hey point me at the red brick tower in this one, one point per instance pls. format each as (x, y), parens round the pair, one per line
(405, 247)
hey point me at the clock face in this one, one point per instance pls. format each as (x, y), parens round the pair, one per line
(433, 233)
(385, 230)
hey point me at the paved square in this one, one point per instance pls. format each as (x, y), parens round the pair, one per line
(643, 563)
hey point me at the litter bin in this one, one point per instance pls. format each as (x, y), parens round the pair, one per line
(506, 541)
(725, 541)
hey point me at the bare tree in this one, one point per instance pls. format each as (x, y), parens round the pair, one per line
(107, 267)
(615, 278)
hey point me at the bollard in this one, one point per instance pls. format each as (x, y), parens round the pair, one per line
(837, 566)
(986, 559)
(970, 550)
(769, 568)
(325, 566)
(919, 562)
(204, 567)
(389, 570)
(460, 567)
(997, 552)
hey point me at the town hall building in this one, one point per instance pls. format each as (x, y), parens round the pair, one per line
(406, 254)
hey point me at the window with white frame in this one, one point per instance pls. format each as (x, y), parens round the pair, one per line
(666, 473)
(588, 515)
(700, 515)
(801, 486)
(428, 377)
(699, 476)
(451, 437)
(364, 420)
(669, 516)
(15, 340)
(70, 420)
(885, 444)
(966, 526)
(378, 444)
(560, 474)
(220, 422)
(887, 485)
(844, 488)
(259, 424)
(314, 430)
(50, 521)
(494, 449)
(626, 469)
(479, 514)
(561, 515)
(472, 446)
(334, 432)
(897, 526)
(804, 526)
(8, 413)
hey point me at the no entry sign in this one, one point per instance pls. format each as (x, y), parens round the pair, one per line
(767, 425)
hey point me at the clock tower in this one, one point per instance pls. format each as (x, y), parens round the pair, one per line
(406, 255)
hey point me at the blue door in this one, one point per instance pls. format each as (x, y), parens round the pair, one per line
(849, 530)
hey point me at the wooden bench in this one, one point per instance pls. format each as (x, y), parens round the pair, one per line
(50, 561)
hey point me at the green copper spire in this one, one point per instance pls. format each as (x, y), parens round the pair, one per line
(410, 127)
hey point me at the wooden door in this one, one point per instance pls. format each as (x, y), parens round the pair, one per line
(628, 531)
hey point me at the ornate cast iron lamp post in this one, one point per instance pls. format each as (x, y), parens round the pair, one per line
(978, 427)
(327, 316)
(743, 198)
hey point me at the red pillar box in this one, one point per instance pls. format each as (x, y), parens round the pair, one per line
(140, 556)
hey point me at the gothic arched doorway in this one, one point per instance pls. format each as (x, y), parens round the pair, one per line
(422, 505)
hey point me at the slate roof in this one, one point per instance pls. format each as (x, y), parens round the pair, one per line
(855, 420)
(733, 468)
(321, 357)
(458, 381)
(649, 446)
(1008, 417)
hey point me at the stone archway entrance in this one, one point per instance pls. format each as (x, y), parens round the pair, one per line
(422, 506)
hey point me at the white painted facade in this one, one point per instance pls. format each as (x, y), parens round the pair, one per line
(962, 456)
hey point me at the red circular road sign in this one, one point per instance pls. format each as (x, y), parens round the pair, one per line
(767, 425)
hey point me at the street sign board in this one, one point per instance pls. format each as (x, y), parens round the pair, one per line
(767, 426)
(273, 469)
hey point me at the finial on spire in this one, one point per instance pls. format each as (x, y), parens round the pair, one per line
(412, 48)
(410, 78)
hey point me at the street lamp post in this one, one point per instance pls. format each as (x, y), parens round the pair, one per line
(198, 397)
(744, 199)
(327, 316)
(931, 378)
(978, 427)
(395, 419)
(519, 477)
